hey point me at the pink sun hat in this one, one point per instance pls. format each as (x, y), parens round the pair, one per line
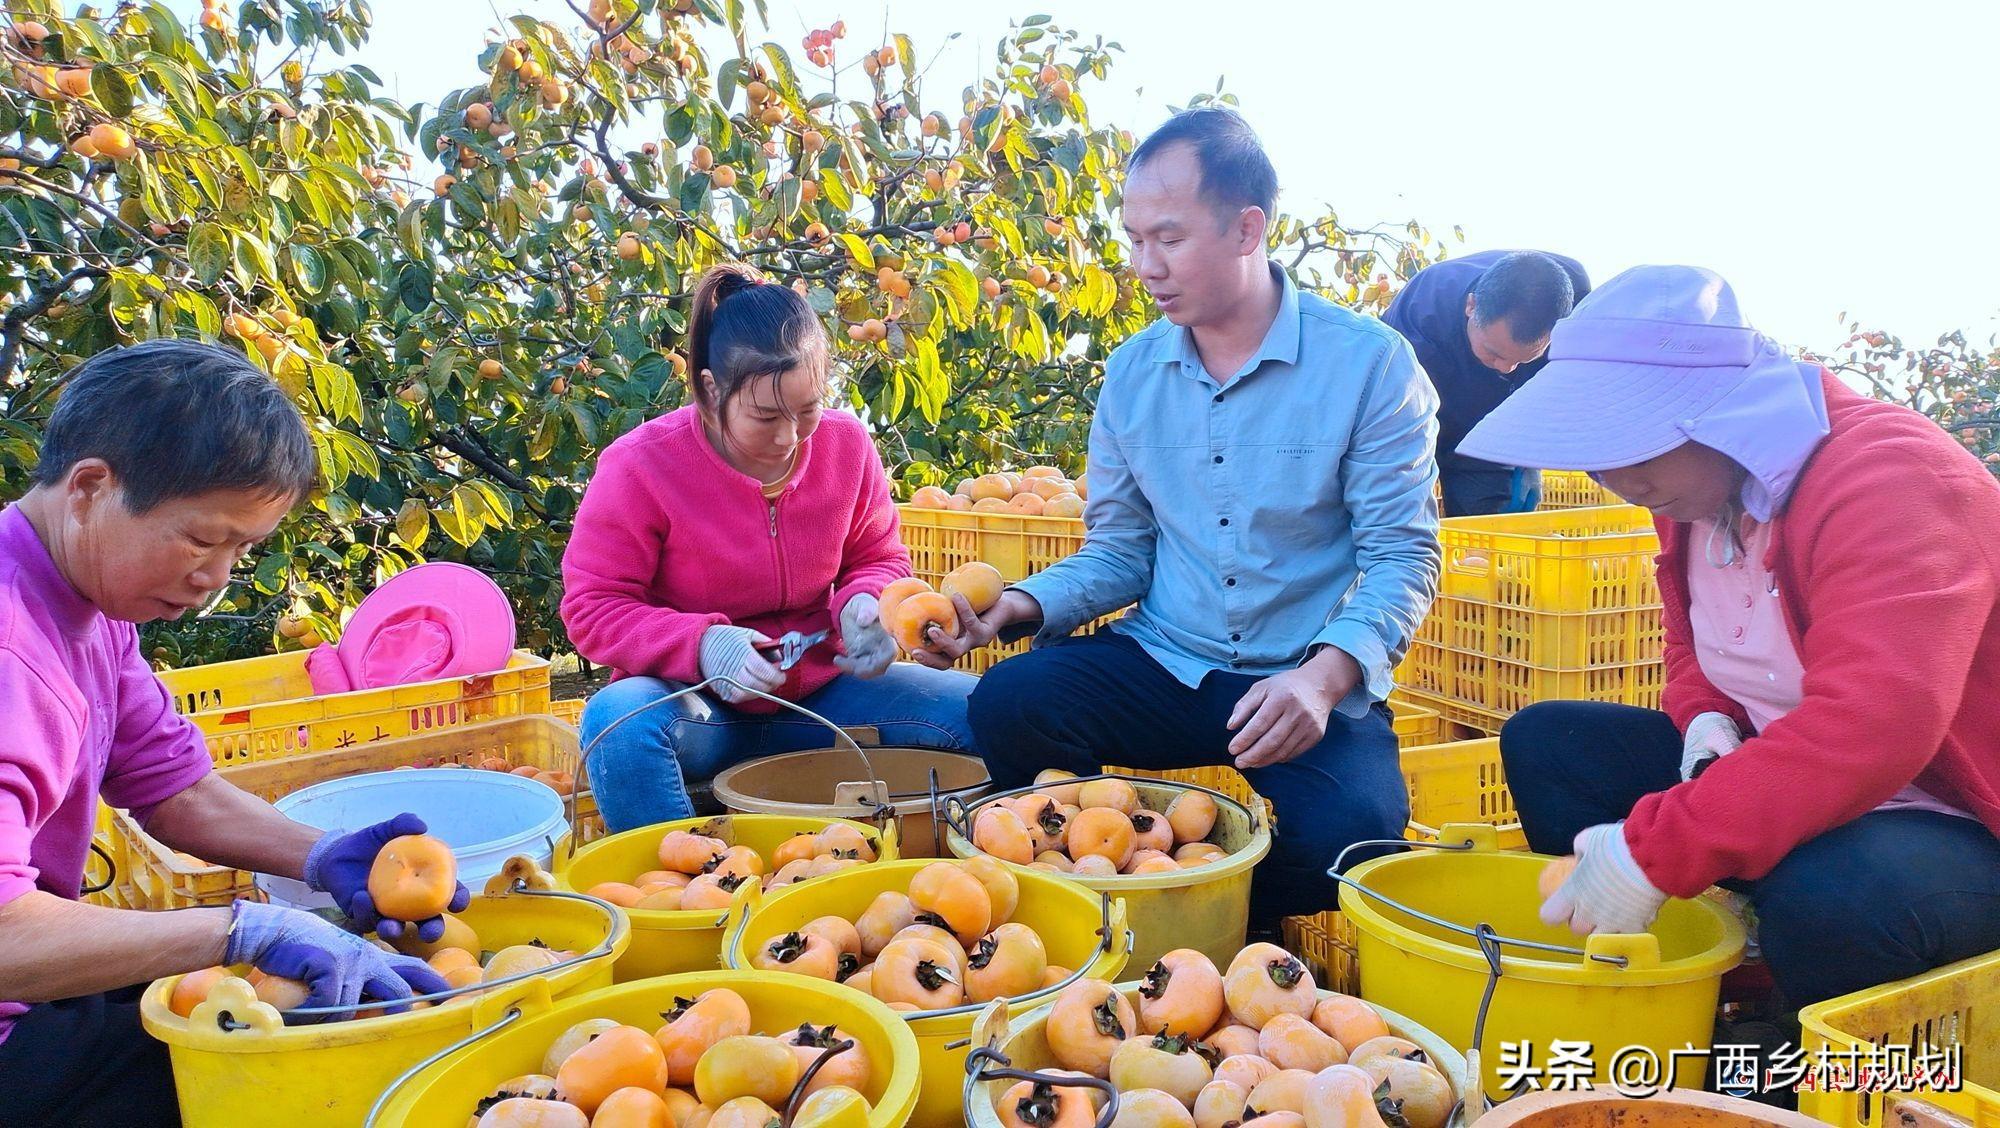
(433, 621)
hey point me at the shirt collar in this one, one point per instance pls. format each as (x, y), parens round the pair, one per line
(1281, 341)
(19, 542)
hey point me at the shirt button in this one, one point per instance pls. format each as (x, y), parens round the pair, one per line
(1218, 397)
(1236, 638)
(1230, 582)
(1747, 601)
(1218, 459)
(1737, 634)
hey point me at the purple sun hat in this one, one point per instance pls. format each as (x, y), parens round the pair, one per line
(1658, 357)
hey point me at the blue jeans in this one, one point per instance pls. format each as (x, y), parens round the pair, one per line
(1092, 700)
(1492, 489)
(640, 771)
(1887, 896)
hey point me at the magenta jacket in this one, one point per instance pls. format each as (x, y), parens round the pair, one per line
(671, 539)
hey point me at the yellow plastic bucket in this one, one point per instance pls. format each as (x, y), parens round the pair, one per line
(1654, 991)
(443, 1094)
(1081, 930)
(668, 943)
(863, 780)
(1206, 908)
(236, 1063)
(1021, 1042)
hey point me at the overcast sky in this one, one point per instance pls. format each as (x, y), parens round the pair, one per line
(1823, 156)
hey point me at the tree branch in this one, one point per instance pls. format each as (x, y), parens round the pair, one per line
(38, 303)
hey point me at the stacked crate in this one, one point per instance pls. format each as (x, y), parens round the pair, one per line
(1561, 605)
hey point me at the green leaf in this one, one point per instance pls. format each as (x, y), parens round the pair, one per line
(835, 190)
(414, 287)
(933, 387)
(857, 250)
(961, 289)
(208, 253)
(459, 517)
(253, 260)
(112, 89)
(271, 573)
(310, 267)
(413, 523)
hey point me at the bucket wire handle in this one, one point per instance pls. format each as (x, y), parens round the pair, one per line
(1148, 781)
(375, 1110)
(1533, 945)
(792, 1103)
(950, 810)
(110, 872)
(584, 753)
(1001, 1069)
(937, 836)
(1483, 936)
(520, 889)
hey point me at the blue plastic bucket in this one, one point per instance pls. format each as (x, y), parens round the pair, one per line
(485, 817)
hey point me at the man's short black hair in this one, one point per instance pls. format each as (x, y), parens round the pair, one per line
(1528, 290)
(176, 419)
(1235, 172)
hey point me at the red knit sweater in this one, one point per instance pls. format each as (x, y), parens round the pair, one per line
(1889, 568)
(670, 539)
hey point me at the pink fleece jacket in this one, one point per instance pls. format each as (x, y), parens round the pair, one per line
(670, 540)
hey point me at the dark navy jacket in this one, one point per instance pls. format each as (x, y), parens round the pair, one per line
(1430, 312)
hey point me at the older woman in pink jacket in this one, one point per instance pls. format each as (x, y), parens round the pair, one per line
(712, 531)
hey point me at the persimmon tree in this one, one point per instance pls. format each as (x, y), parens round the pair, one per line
(469, 300)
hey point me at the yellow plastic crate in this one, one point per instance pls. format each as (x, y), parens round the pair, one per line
(1955, 1009)
(1415, 727)
(986, 657)
(940, 540)
(1482, 692)
(569, 712)
(1461, 782)
(1549, 640)
(1598, 559)
(1573, 489)
(261, 709)
(1221, 778)
(148, 875)
(1498, 689)
(1325, 943)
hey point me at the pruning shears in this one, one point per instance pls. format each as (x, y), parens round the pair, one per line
(792, 646)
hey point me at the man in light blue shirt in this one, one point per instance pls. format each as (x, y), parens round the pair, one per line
(1261, 466)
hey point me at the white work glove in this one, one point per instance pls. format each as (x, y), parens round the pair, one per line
(731, 652)
(1608, 892)
(1710, 736)
(868, 645)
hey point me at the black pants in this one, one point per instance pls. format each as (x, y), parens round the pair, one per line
(1887, 896)
(86, 1063)
(1101, 699)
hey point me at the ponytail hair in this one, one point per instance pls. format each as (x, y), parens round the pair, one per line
(743, 327)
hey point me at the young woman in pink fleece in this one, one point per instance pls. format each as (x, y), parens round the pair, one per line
(707, 534)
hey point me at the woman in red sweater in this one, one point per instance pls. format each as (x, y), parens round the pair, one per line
(1830, 745)
(707, 534)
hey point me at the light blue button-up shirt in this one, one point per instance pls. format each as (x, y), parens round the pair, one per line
(1258, 520)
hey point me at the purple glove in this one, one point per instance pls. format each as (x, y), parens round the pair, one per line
(338, 968)
(338, 865)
